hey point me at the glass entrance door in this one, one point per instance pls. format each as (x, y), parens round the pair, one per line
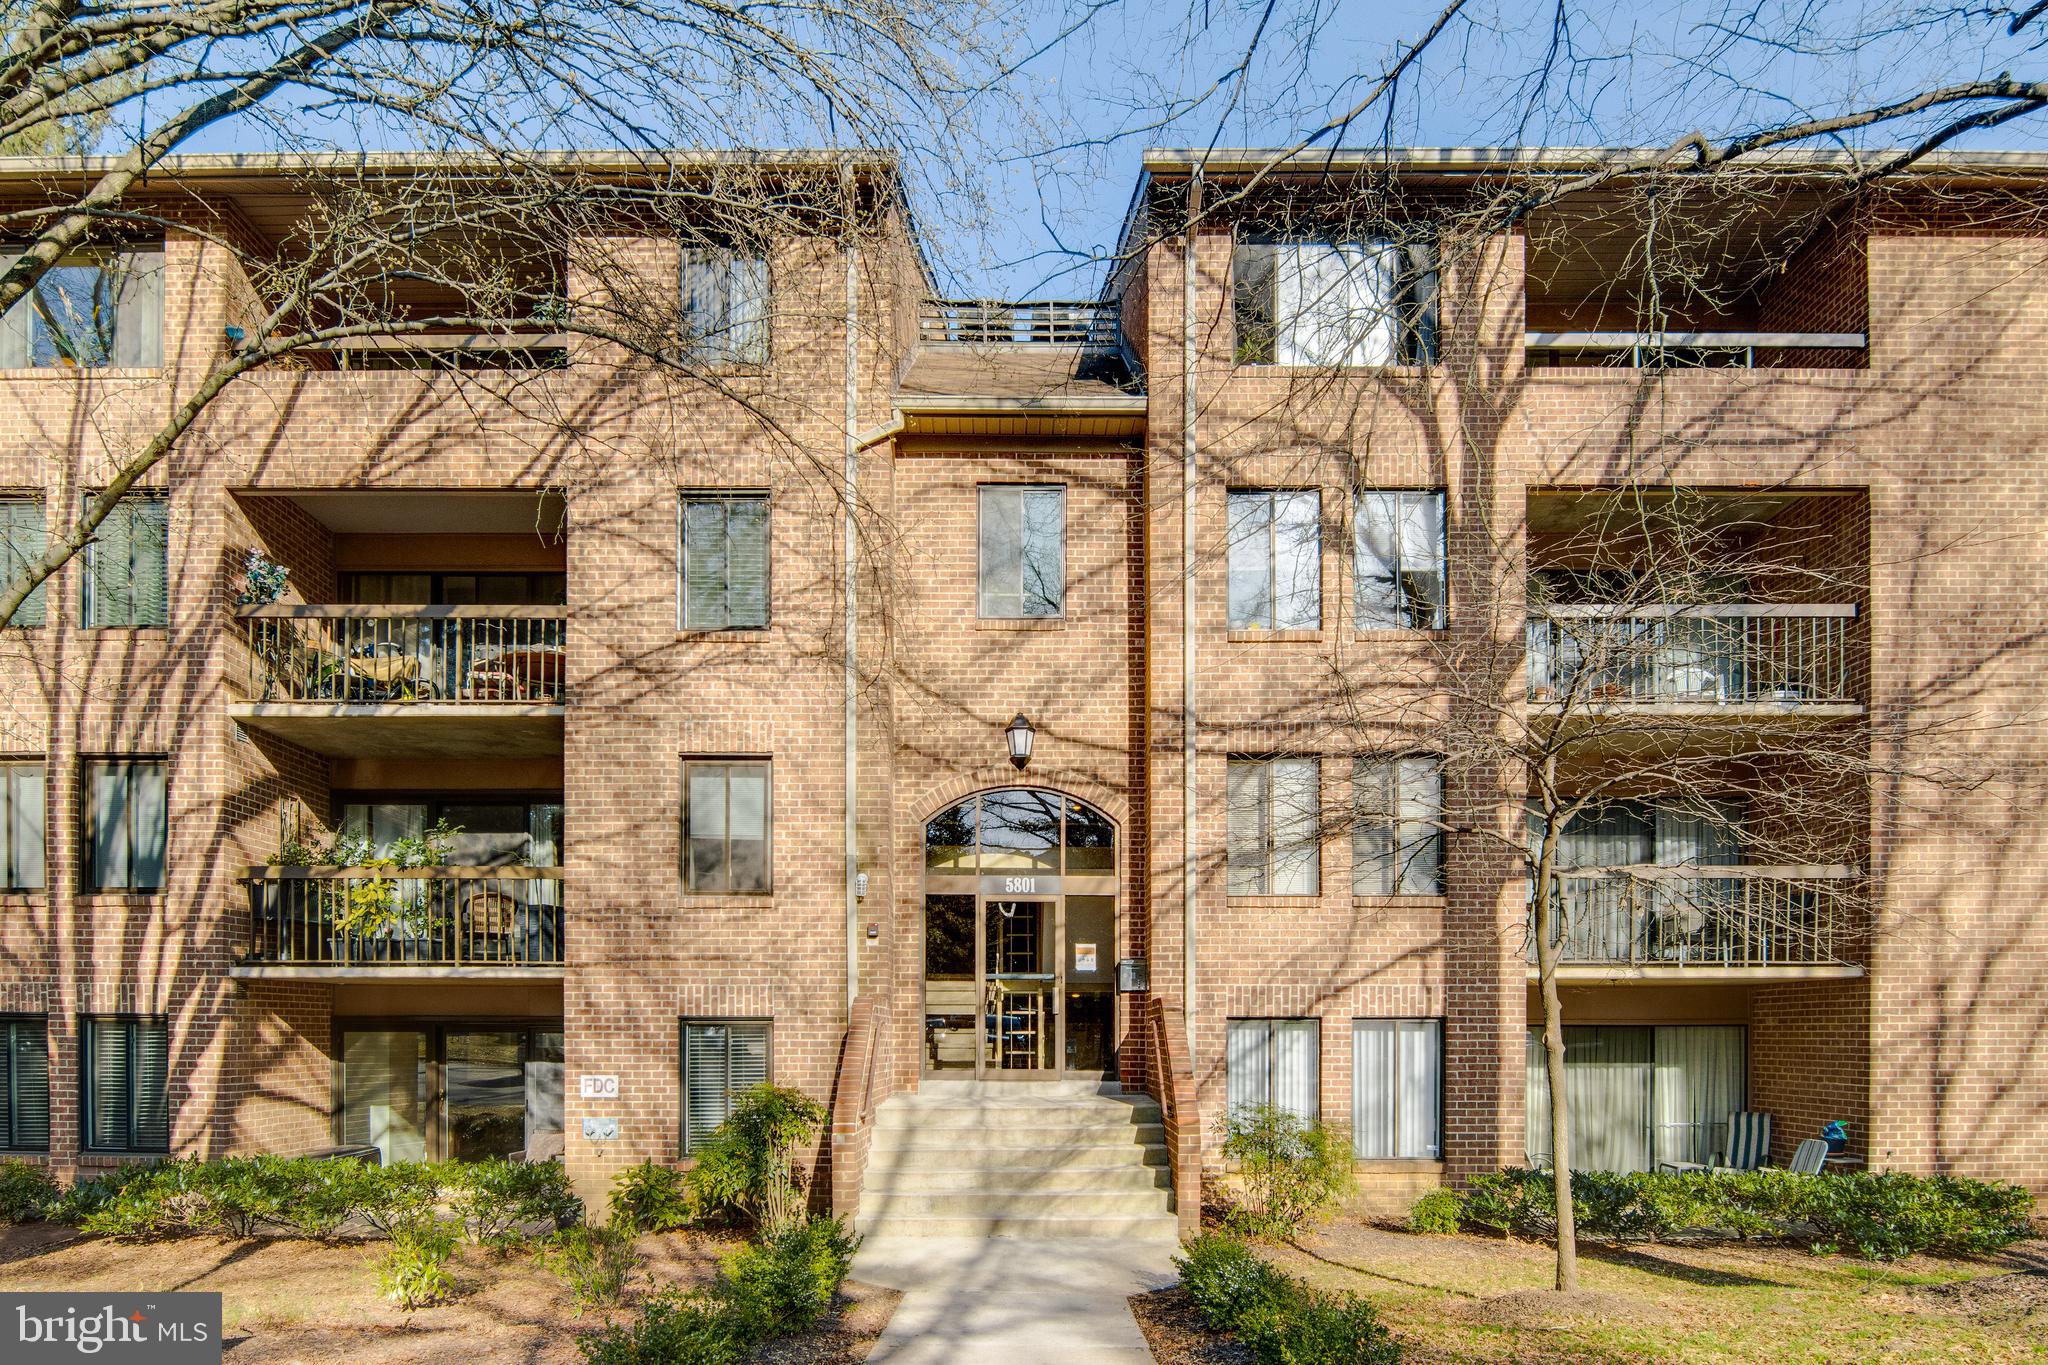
(1021, 1021)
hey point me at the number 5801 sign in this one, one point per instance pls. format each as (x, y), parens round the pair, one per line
(598, 1087)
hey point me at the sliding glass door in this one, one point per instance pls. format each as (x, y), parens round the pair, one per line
(1640, 1094)
(441, 1092)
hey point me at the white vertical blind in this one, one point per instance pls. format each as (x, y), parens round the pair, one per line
(1275, 1062)
(21, 544)
(1297, 810)
(126, 568)
(1250, 535)
(1335, 303)
(1700, 1083)
(1640, 1094)
(1401, 560)
(1397, 1087)
(1297, 561)
(22, 845)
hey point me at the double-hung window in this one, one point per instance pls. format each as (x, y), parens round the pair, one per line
(1273, 836)
(1351, 303)
(724, 552)
(1397, 826)
(24, 1083)
(21, 825)
(1022, 533)
(1276, 560)
(126, 1083)
(1397, 1080)
(1401, 562)
(727, 819)
(127, 579)
(125, 825)
(88, 311)
(22, 544)
(722, 1060)
(1274, 1062)
(725, 294)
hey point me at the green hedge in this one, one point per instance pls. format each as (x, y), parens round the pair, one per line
(1879, 1216)
(27, 1191)
(1282, 1320)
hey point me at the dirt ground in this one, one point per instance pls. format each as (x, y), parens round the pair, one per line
(292, 1302)
(1463, 1300)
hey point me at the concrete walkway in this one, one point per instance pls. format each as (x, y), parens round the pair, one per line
(1013, 1300)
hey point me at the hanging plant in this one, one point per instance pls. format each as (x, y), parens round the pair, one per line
(263, 580)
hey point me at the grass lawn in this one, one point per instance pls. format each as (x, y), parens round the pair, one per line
(1458, 1299)
(316, 1303)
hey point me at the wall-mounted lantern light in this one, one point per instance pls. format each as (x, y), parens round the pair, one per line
(1020, 735)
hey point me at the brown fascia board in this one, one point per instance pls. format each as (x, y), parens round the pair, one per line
(609, 162)
(1240, 161)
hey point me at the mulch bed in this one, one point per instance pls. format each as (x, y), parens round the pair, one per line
(1178, 1335)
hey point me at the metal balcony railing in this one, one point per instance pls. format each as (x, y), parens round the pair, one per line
(1706, 917)
(415, 917)
(1710, 654)
(966, 322)
(405, 654)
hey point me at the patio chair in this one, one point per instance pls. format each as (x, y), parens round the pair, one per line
(1749, 1146)
(1810, 1158)
(488, 915)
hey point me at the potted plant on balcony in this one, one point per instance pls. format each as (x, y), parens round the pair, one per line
(394, 918)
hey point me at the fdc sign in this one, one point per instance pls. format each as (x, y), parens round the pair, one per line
(118, 1329)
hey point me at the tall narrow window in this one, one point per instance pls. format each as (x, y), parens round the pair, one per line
(1401, 559)
(1397, 1070)
(1275, 810)
(1397, 826)
(126, 571)
(125, 825)
(725, 295)
(726, 824)
(725, 561)
(88, 312)
(1360, 303)
(126, 1080)
(21, 825)
(722, 1060)
(1276, 560)
(1274, 1062)
(22, 544)
(24, 1083)
(1023, 538)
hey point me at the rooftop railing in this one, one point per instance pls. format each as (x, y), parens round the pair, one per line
(1707, 917)
(425, 655)
(1699, 350)
(1597, 655)
(412, 917)
(970, 323)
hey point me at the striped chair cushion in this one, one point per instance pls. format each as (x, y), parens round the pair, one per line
(1749, 1140)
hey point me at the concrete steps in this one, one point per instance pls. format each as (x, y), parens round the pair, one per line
(1034, 1159)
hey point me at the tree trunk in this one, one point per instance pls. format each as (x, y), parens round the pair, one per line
(1553, 1059)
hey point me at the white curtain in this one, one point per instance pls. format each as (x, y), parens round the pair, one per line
(1639, 1095)
(1699, 1083)
(1297, 814)
(1273, 1061)
(1397, 1084)
(1335, 303)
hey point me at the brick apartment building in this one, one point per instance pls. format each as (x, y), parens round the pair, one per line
(595, 617)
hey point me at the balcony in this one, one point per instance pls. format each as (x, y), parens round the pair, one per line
(1091, 326)
(1744, 922)
(1742, 659)
(475, 922)
(382, 680)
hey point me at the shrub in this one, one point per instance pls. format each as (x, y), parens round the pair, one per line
(27, 1192)
(1438, 1211)
(91, 1194)
(1283, 1321)
(401, 1195)
(650, 1198)
(1292, 1169)
(413, 1271)
(750, 1163)
(786, 1283)
(670, 1328)
(597, 1263)
(497, 1199)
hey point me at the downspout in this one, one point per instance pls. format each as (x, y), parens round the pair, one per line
(1187, 610)
(850, 477)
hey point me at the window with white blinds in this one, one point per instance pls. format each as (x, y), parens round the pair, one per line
(88, 311)
(725, 295)
(724, 556)
(22, 543)
(22, 845)
(1402, 562)
(24, 1083)
(1397, 826)
(125, 825)
(1272, 834)
(1275, 560)
(1022, 532)
(127, 580)
(727, 824)
(722, 1060)
(1274, 1062)
(126, 1078)
(1397, 1079)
